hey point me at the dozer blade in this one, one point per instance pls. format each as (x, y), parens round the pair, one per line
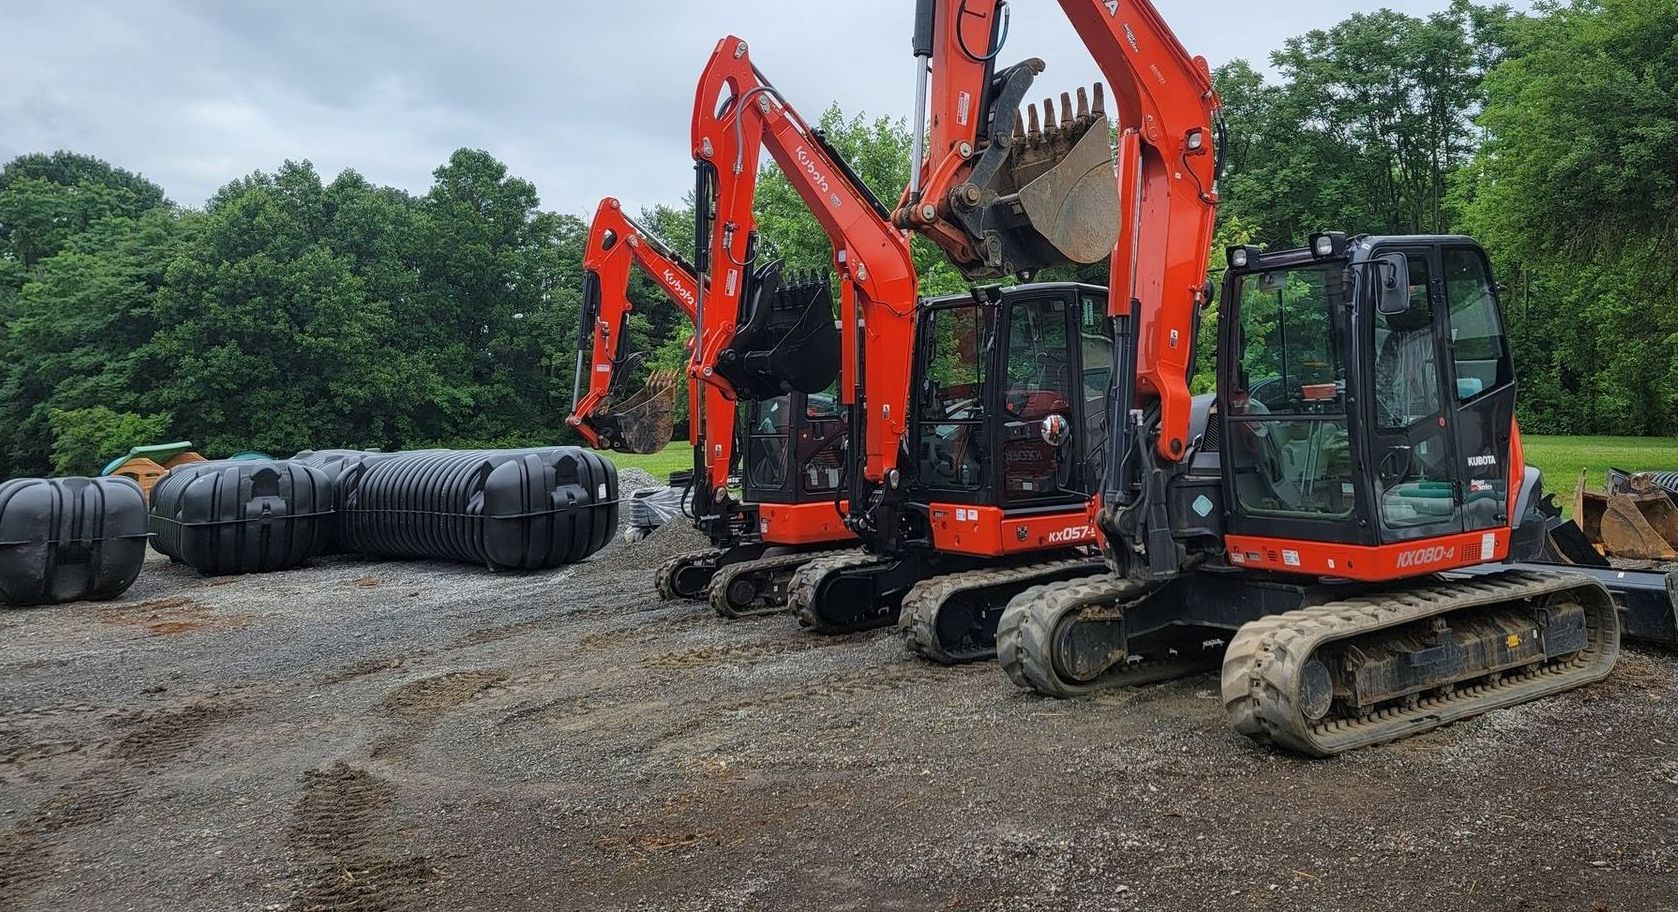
(1640, 527)
(1074, 205)
(786, 340)
(645, 421)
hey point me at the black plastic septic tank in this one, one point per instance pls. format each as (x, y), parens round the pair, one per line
(247, 516)
(505, 509)
(69, 539)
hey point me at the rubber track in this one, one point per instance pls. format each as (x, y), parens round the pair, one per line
(1262, 667)
(664, 580)
(801, 592)
(717, 592)
(1025, 638)
(918, 623)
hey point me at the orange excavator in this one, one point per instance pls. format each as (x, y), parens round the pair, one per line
(956, 493)
(641, 422)
(792, 440)
(1318, 514)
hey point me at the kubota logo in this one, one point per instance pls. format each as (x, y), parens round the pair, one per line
(682, 291)
(1112, 7)
(1072, 534)
(1424, 556)
(811, 169)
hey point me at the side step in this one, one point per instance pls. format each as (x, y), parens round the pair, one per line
(1325, 680)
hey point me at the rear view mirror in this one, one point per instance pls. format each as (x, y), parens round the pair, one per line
(1392, 283)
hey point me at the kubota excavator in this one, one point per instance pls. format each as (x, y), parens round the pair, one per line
(642, 422)
(791, 441)
(988, 506)
(1361, 442)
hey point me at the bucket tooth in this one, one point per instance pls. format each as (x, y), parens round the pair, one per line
(1051, 126)
(1083, 104)
(1066, 120)
(1033, 131)
(1100, 109)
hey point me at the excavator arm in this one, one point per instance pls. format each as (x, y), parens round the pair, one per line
(984, 195)
(1001, 194)
(640, 423)
(737, 114)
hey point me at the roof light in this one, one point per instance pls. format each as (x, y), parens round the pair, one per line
(1328, 244)
(1243, 257)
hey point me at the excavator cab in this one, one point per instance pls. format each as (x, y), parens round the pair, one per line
(1010, 404)
(1385, 353)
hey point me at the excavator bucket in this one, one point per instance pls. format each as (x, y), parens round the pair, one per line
(1641, 526)
(786, 340)
(1044, 195)
(1637, 526)
(644, 423)
(1065, 176)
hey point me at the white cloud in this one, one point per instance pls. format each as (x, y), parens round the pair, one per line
(584, 99)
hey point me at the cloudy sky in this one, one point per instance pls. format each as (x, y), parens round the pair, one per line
(583, 98)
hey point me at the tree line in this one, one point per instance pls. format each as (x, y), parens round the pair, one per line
(291, 312)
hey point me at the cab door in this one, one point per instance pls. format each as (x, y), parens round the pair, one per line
(1040, 395)
(1411, 409)
(1482, 384)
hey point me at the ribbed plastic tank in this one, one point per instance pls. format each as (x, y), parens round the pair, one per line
(504, 509)
(248, 516)
(69, 539)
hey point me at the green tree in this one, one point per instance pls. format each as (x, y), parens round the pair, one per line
(78, 331)
(1575, 193)
(47, 199)
(878, 152)
(83, 440)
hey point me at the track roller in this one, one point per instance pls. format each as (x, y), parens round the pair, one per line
(1364, 671)
(837, 594)
(758, 587)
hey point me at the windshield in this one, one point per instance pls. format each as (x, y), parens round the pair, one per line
(1289, 445)
(1290, 342)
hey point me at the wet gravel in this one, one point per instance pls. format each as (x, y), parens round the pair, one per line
(386, 736)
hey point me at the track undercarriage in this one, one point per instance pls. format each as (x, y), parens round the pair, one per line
(1332, 671)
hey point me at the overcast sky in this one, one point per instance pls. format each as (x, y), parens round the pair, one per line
(584, 98)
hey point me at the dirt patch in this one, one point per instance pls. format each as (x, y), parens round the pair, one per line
(156, 737)
(172, 616)
(345, 854)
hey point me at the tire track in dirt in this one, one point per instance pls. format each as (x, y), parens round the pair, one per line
(343, 846)
(623, 636)
(153, 738)
(418, 706)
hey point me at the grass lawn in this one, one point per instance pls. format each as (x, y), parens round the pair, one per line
(1561, 458)
(678, 455)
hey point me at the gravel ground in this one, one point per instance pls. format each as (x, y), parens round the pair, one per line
(385, 736)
